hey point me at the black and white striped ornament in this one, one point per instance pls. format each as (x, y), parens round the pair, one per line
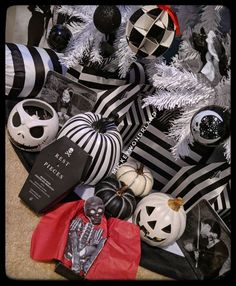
(100, 138)
(26, 69)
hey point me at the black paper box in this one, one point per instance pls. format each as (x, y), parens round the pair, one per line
(57, 170)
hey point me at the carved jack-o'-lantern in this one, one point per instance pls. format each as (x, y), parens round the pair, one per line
(161, 219)
(32, 125)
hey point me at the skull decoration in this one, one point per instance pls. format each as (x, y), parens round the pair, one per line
(161, 218)
(94, 209)
(32, 125)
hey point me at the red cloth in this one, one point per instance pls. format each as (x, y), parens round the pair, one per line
(119, 258)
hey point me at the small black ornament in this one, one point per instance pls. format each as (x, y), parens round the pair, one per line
(59, 37)
(200, 44)
(107, 18)
(210, 125)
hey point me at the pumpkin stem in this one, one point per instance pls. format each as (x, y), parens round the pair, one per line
(140, 169)
(102, 124)
(122, 190)
(175, 204)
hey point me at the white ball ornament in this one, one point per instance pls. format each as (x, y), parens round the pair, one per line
(136, 176)
(100, 138)
(161, 218)
(32, 125)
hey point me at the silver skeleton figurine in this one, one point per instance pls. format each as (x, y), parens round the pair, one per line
(84, 242)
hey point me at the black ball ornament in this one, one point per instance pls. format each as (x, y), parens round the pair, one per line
(150, 31)
(107, 18)
(210, 125)
(59, 37)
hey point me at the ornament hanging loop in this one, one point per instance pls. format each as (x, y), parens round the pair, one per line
(173, 16)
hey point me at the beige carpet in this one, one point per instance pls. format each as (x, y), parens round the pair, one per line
(20, 223)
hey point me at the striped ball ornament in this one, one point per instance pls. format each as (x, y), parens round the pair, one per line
(118, 198)
(100, 138)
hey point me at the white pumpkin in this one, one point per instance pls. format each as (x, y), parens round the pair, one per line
(136, 176)
(161, 218)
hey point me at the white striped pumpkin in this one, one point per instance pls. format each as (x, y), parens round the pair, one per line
(136, 176)
(100, 138)
(161, 218)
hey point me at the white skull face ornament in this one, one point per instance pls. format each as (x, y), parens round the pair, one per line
(32, 125)
(94, 209)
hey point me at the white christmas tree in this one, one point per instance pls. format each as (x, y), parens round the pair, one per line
(183, 84)
(196, 77)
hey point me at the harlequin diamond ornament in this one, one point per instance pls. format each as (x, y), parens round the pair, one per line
(59, 38)
(210, 125)
(150, 31)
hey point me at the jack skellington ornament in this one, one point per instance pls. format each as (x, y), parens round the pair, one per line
(85, 241)
(32, 125)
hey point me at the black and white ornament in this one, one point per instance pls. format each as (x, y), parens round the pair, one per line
(32, 125)
(210, 125)
(150, 31)
(59, 37)
(107, 18)
(100, 138)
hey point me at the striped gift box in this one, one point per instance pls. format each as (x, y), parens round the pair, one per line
(26, 69)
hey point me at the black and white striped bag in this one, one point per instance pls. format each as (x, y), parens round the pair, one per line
(194, 183)
(26, 69)
(117, 101)
(100, 80)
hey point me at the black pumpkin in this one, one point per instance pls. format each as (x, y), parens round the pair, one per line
(118, 199)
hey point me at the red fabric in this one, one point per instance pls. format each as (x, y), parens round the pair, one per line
(173, 16)
(119, 258)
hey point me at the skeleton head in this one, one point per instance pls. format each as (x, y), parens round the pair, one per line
(94, 209)
(32, 125)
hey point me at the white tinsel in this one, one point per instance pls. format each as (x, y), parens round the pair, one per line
(180, 132)
(123, 52)
(80, 46)
(227, 147)
(187, 58)
(176, 88)
(223, 92)
(210, 19)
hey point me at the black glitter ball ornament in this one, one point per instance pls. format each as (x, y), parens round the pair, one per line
(107, 18)
(59, 37)
(210, 125)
